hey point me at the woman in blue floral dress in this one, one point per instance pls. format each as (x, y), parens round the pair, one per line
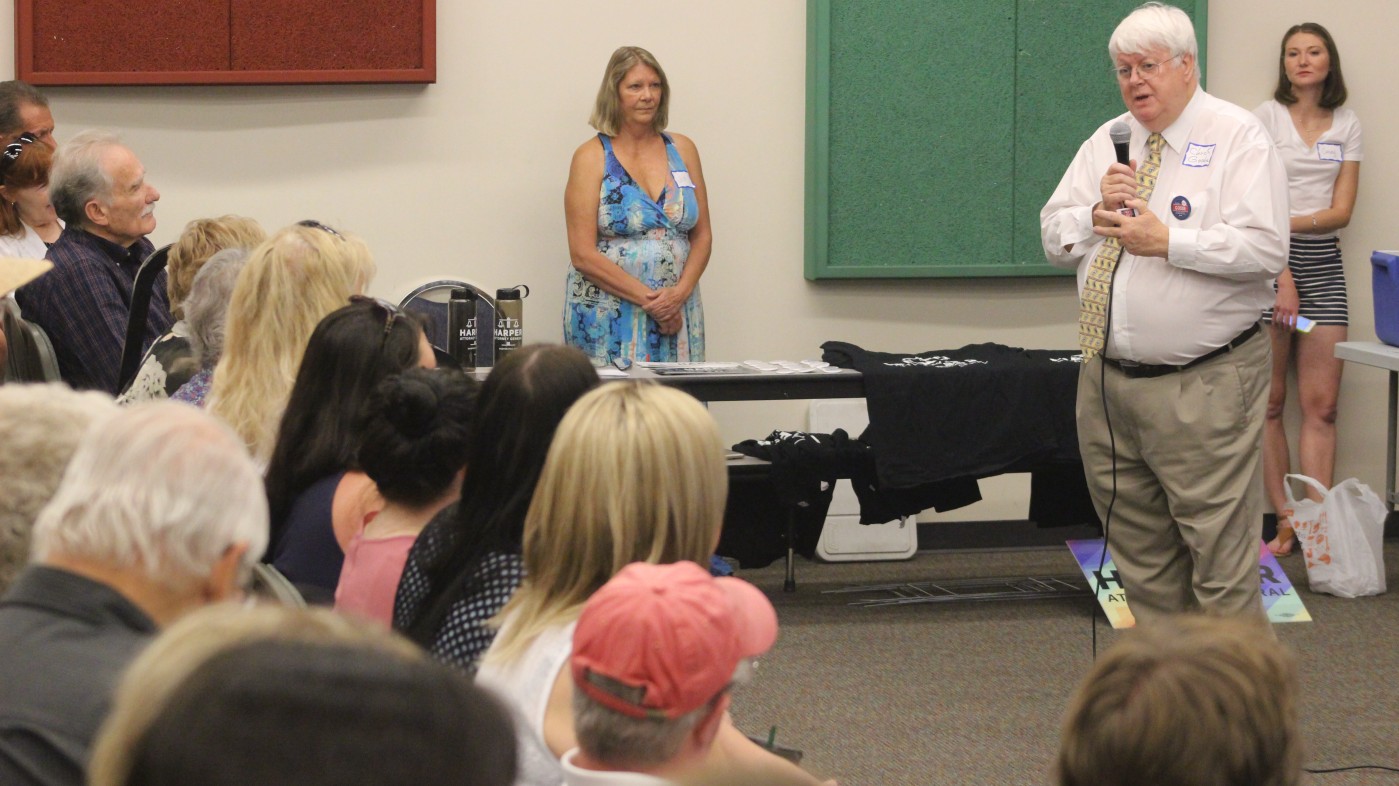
(638, 225)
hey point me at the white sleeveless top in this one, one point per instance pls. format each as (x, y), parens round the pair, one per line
(524, 684)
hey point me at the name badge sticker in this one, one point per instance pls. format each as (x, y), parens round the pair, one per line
(1197, 155)
(1180, 208)
(682, 179)
(1330, 151)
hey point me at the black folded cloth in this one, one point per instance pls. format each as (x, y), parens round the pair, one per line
(805, 467)
(970, 412)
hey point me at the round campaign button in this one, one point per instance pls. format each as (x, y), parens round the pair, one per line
(1180, 208)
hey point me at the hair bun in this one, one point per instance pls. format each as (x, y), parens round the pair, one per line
(412, 405)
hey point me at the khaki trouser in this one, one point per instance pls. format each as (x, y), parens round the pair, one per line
(1187, 520)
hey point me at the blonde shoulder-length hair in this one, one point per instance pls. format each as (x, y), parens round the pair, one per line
(607, 109)
(635, 474)
(288, 285)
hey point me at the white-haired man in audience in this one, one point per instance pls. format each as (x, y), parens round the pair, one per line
(160, 511)
(40, 428)
(99, 188)
(655, 653)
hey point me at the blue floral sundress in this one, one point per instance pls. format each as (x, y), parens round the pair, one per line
(650, 240)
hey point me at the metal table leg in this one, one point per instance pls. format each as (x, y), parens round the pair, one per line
(790, 584)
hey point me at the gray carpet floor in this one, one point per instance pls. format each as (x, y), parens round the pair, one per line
(973, 692)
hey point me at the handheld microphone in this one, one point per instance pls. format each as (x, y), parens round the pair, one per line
(1121, 135)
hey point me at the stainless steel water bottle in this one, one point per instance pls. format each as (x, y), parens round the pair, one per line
(461, 327)
(509, 320)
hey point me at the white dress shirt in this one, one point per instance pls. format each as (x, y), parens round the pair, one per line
(1312, 170)
(1228, 232)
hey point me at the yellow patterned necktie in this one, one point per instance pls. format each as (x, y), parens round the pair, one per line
(1092, 314)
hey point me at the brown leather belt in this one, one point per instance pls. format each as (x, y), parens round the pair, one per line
(1137, 370)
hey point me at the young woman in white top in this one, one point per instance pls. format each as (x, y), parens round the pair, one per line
(1320, 145)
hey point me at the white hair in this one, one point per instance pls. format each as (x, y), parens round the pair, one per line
(78, 176)
(1154, 26)
(206, 307)
(623, 741)
(161, 488)
(40, 427)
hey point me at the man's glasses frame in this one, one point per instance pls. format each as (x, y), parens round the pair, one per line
(1147, 69)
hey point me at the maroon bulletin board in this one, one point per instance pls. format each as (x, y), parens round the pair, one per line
(231, 42)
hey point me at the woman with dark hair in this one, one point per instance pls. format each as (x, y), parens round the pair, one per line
(466, 563)
(1320, 145)
(316, 497)
(413, 444)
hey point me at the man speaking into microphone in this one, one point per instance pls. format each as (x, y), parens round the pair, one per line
(1176, 249)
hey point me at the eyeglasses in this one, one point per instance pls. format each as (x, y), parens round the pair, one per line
(313, 224)
(1148, 70)
(391, 313)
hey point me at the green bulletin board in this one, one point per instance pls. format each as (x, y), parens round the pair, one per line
(937, 129)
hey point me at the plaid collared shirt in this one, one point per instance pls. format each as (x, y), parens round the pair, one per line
(83, 302)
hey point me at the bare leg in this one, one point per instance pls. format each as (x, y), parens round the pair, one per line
(1276, 455)
(1318, 385)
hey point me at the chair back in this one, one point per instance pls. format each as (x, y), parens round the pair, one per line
(429, 302)
(31, 356)
(132, 349)
(269, 583)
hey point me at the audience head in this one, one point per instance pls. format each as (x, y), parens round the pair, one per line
(201, 239)
(350, 352)
(607, 109)
(206, 307)
(24, 185)
(162, 499)
(517, 410)
(99, 185)
(416, 434)
(635, 474)
(40, 427)
(23, 109)
(655, 653)
(290, 283)
(1333, 89)
(1191, 701)
(282, 697)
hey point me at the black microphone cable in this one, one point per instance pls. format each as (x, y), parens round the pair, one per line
(1120, 134)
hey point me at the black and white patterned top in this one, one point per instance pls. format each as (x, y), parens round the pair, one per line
(464, 635)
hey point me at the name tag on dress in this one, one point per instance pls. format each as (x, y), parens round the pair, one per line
(1330, 151)
(682, 179)
(1197, 155)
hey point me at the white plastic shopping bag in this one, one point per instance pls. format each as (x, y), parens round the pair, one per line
(1341, 536)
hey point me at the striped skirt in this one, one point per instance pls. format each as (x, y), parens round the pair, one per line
(1315, 263)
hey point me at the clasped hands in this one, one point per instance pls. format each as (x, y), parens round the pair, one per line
(1143, 234)
(666, 306)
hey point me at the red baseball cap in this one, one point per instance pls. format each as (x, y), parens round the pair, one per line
(663, 640)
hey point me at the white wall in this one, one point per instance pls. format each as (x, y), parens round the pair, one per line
(465, 177)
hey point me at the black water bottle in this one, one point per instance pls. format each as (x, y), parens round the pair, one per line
(461, 327)
(509, 320)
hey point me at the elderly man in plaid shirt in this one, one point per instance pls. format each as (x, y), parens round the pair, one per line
(99, 189)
